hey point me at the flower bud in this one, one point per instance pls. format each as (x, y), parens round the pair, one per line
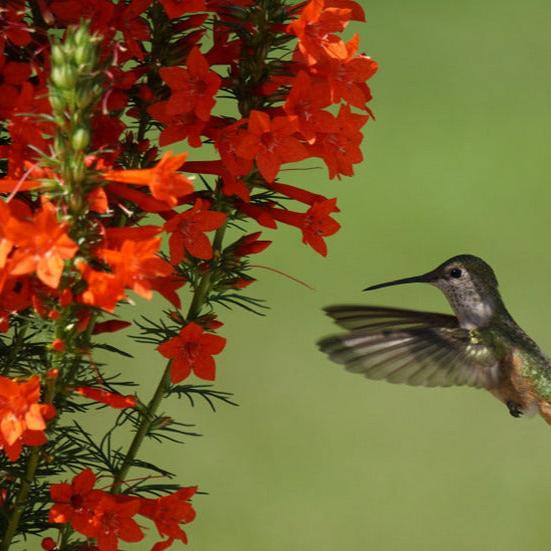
(82, 36)
(58, 55)
(58, 345)
(80, 139)
(57, 102)
(48, 544)
(83, 54)
(64, 77)
(85, 97)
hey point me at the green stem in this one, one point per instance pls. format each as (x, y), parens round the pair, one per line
(21, 499)
(141, 433)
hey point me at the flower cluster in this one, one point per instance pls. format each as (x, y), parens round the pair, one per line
(91, 204)
(107, 518)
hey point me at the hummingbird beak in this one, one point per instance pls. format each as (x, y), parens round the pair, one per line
(429, 277)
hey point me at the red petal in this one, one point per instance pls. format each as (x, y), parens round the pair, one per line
(205, 368)
(179, 370)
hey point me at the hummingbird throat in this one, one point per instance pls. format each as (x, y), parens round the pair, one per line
(472, 310)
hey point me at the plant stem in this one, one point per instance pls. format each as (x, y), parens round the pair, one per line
(148, 416)
(141, 433)
(21, 499)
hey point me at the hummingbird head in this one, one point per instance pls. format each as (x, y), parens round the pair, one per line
(468, 283)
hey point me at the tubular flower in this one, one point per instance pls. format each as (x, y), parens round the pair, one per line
(271, 142)
(339, 143)
(111, 520)
(316, 28)
(192, 350)
(187, 232)
(249, 244)
(42, 246)
(163, 180)
(136, 263)
(71, 500)
(22, 418)
(178, 126)
(168, 512)
(104, 289)
(315, 224)
(111, 399)
(193, 88)
(306, 100)
(346, 78)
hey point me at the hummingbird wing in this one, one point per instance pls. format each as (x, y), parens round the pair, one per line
(411, 347)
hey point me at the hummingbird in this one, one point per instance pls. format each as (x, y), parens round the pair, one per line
(480, 346)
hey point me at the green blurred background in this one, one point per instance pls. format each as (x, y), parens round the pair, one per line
(316, 459)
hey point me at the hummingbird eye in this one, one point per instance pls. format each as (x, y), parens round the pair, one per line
(456, 273)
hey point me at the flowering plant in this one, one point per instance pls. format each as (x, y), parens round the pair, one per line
(90, 91)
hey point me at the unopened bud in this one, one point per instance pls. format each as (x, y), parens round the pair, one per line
(57, 102)
(81, 35)
(58, 55)
(64, 77)
(80, 139)
(83, 54)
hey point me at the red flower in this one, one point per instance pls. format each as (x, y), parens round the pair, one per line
(22, 418)
(48, 544)
(104, 289)
(112, 520)
(163, 180)
(12, 27)
(306, 100)
(271, 143)
(178, 126)
(193, 88)
(347, 78)
(192, 350)
(136, 263)
(248, 244)
(339, 143)
(112, 399)
(70, 501)
(168, 512)
(58, 345)
(187, 232)
(42, 246)
(133, 27)
(315, 224)
(226, 141)
(315, 30)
